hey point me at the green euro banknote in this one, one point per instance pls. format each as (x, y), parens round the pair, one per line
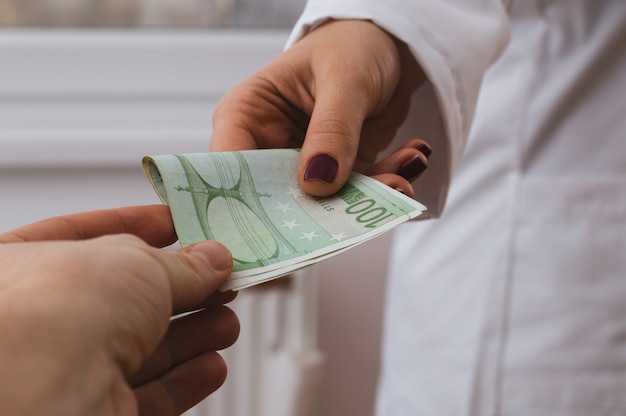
(250, 201)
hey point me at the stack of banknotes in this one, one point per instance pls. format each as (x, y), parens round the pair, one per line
(250, 201)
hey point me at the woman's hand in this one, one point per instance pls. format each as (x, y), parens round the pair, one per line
(340, 94)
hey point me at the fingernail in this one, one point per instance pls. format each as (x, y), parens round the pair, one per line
(322, 168)
(411, 169)
(425, 149)
(214, 254)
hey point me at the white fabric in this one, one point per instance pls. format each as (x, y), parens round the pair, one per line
(513, 303)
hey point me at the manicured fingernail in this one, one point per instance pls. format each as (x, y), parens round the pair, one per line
(412, 169)
(213, 253)
(322, 168)
(425, 149)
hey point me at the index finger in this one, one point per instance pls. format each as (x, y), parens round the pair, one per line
(151, 223)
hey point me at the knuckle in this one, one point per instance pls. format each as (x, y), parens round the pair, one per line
(332, 128)
(229, 327)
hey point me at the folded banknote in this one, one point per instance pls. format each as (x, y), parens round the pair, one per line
(250, 201)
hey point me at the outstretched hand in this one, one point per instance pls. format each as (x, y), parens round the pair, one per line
(87, 326)
(340, 93)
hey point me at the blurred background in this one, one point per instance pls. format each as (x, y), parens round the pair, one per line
(150, 13)
(88, 87)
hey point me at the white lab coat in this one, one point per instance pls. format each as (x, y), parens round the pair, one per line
(513, 303)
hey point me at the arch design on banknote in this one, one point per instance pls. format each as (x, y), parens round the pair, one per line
(250, 223)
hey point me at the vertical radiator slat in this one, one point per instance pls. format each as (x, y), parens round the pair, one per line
(278, 333)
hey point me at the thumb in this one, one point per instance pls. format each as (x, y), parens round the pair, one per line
(208, 266)
(332, 139)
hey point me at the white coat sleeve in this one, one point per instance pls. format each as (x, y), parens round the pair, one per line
(454, 41)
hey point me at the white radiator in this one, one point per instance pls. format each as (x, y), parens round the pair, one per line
(275, 367)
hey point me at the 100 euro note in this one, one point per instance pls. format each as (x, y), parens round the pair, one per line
(250, 201)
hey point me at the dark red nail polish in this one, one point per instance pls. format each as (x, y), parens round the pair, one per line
(322, 168)
(425, 149)
(411, 169)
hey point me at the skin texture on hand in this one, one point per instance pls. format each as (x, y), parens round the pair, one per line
(87, 301)
(340, 93)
